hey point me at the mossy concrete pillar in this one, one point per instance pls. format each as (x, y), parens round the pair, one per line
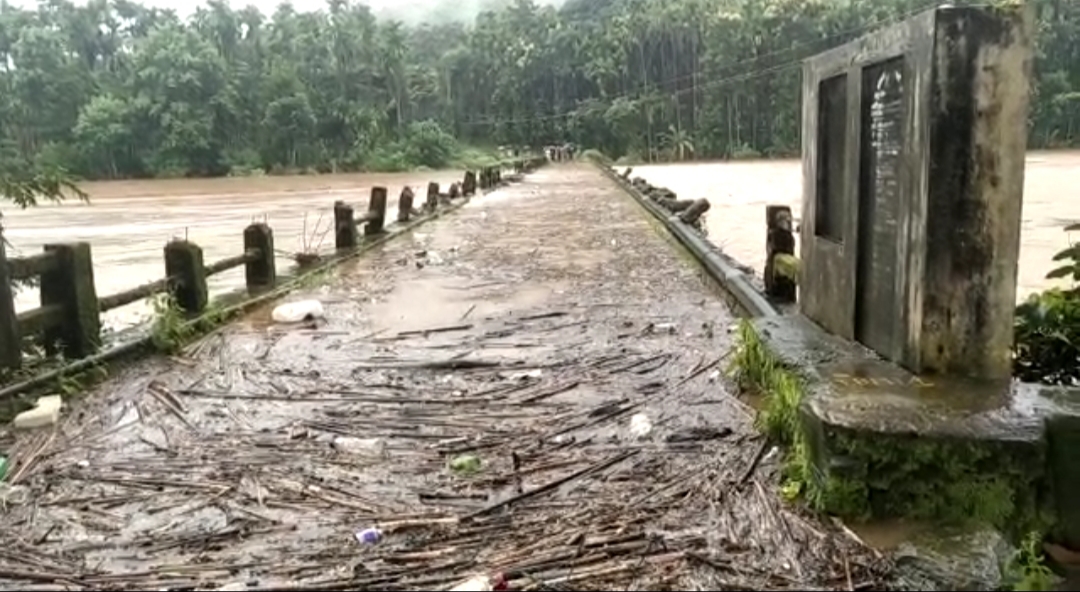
(261, 271)
(376, 216)
(187, 275)
(69, 285)
(779, 240)
(345, 235)
(10, 341)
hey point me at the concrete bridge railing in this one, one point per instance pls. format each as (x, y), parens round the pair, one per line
(69, 318)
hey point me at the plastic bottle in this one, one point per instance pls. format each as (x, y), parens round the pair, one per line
(294, 312)
(351, 445)
(45, 412)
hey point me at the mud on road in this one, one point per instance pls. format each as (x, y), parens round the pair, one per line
(528, 330)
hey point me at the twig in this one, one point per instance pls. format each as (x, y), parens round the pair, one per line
(551, 485)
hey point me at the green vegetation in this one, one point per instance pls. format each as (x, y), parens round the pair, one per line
(1047, 334)
(171, 328)
(1027, 569)
(114, 89)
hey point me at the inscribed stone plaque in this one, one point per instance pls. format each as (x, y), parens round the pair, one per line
(877, 298)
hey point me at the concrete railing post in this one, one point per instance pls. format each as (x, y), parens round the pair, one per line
(779, 240)
(432, 196)
(261, 271)
(376, 217)
(10, 341)
(404, 209)
(187, 275)
(70, 285)
(468, 186)
(344, 226)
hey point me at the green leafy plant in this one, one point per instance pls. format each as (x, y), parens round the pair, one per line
(169, 329)
(1047, 331)
(1027, 569)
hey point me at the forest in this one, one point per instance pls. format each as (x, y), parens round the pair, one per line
(115, 89)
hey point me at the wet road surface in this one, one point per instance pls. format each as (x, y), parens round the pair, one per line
(531, 329)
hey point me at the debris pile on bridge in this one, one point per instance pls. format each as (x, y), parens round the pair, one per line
(564, 497)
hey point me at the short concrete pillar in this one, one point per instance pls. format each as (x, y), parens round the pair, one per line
(187, 275)
(405, 205)
(261, 271)
(468, 187)
(10, 341)
(432, 196)
(779, 240)
(376, 217)
(70, 285)
(676, 205)
(691, 214)
(345, 236)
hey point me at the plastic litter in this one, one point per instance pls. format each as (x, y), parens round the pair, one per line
(534, 373)
(369, 536)
(482, 582)
(45, 412)
(295, 312)
(640, 426)
(351, 445)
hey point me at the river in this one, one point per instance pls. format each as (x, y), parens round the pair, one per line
(739, 192)
(128, 222)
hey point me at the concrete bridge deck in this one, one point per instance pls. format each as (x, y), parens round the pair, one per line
(527, 329)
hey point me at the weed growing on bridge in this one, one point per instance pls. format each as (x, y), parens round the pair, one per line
(171, 327)
(1047, 332)
(1027, 569)
(782, 391)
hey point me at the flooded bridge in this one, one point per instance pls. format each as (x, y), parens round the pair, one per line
(529, 392)
(530, 386)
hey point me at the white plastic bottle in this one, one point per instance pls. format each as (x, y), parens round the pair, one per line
(294, 312)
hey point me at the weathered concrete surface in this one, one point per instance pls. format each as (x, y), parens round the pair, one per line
(572, 315)
(884, 443)
(913, 163)
(887, 443)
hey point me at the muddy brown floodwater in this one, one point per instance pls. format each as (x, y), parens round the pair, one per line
(739, 192)
(534, 328)
(127, 223)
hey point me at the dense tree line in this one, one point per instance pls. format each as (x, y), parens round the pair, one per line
(114, 89)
